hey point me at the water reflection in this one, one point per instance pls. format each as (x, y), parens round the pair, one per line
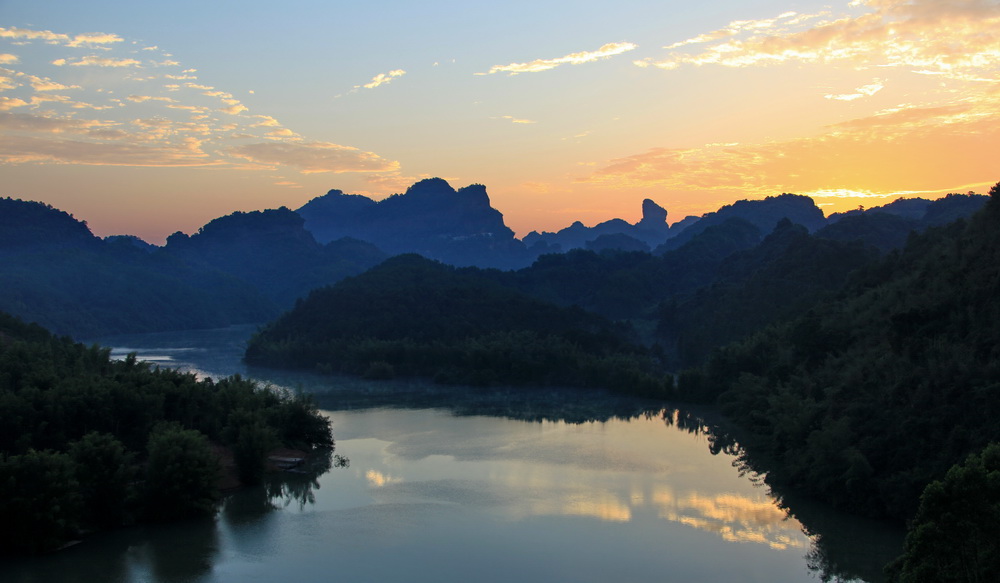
(544, 471)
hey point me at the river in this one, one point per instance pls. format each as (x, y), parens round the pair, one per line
(462, 484)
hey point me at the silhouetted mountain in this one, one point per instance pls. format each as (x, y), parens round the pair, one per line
(888, 227)
(431, 219)
(272, 251)
(652, 230)
(57, 273)
(763, 214)
(617, 241)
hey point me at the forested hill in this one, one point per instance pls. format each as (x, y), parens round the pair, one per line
(57, 273)
(87, 442)
(272, 252)
(413, 316)
(864, 400)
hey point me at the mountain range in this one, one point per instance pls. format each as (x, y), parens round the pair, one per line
(250, 266)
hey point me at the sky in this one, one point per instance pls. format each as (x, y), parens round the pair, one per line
(150, 118)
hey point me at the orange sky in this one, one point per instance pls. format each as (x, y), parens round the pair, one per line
(146, 120)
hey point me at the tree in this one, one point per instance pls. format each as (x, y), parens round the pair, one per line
(39, 504)
(105, 472)
(181, 474)
(956, 533)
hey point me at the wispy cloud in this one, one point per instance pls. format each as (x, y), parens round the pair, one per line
(518, 120)
(538, 65)
(310, 157)
(864, 91)
(97, 61)
(948, 38)
(382, 79)
(165, 117)
(882, 155)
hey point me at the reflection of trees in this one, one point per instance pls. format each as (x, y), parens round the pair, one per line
(573, 406)
(182, 551)
(844, 547)
(281, 489)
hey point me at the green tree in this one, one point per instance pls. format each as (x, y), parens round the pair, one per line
(956, 533)
(181, 474)
(105, 472)
(39, 504)
(251, 438)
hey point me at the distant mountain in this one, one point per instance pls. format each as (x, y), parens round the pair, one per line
(888, 227)
(272, 251)
(763, 214)
(57, 273)
(432, 219)
(652, 230)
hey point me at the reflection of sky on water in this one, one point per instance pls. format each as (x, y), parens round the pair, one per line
(637, 472)
(575, 485)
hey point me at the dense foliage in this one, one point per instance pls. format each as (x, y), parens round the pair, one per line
(412, 316)
(955, 536)
(90, 442)
(865, 400)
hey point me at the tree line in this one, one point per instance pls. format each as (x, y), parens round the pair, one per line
(89, 442)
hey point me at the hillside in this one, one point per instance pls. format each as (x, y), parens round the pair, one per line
(866, 399)
(414, 317)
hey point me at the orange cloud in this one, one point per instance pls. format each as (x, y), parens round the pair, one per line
(948, 38)
(895, 152)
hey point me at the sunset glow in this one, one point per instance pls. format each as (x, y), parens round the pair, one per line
(148, 119)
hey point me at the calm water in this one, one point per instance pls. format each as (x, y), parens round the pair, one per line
(460, 485)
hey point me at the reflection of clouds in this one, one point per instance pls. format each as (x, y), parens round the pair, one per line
(733, 517)
(377, 479)
(602, 505)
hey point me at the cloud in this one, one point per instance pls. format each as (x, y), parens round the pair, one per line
(864, 91)
(46, 84)
(97, 61)
(928, 149)
(947, 38)
(234, 109)
(27, 149)
(186, 128)
(27, 34)
(145, 98)
(516, 120)
(8, 103)
(382, 79)
(606, 51)
(94, 38)
(311, 157)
